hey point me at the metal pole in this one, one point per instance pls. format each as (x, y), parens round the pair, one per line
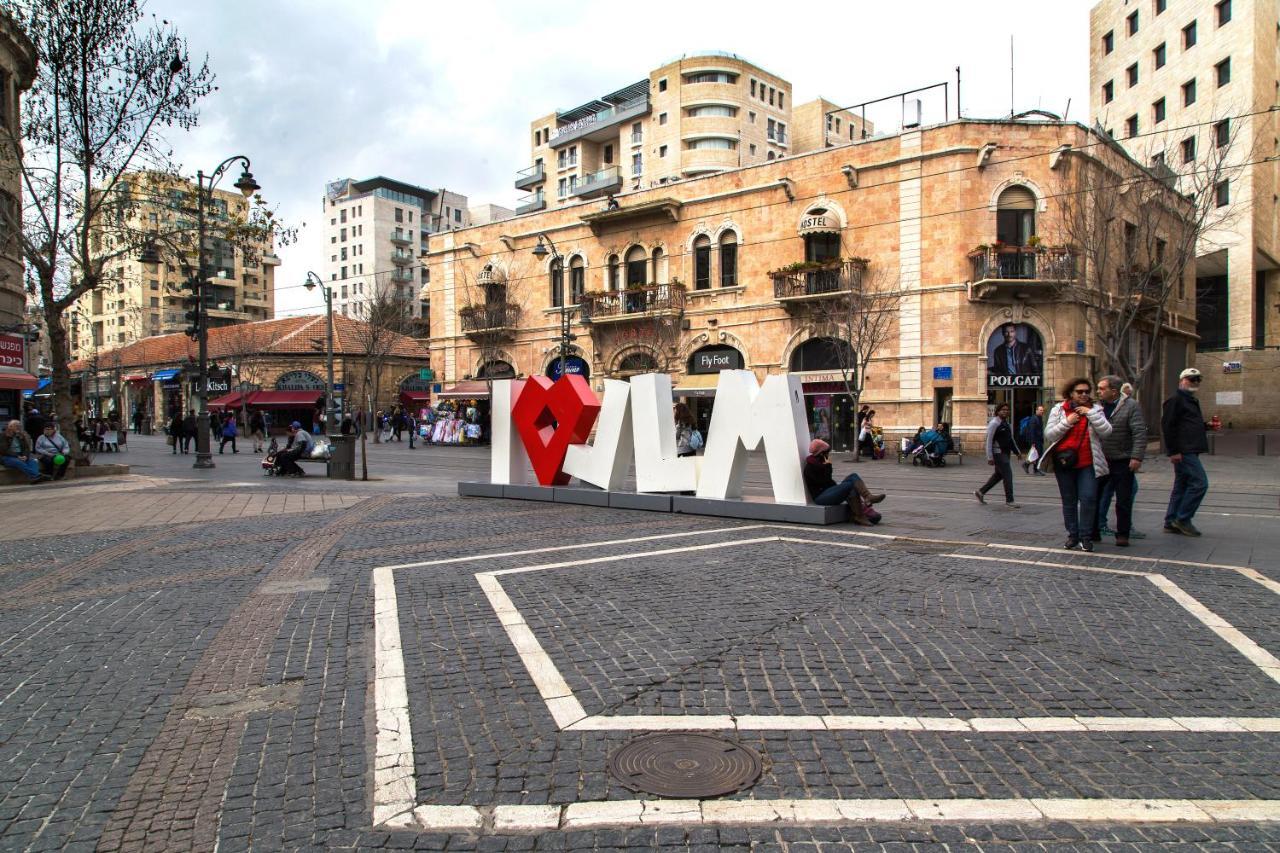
(329, 407)
(1262, 444)
(204, 458)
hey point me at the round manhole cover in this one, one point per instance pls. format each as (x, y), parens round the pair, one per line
(684, 765)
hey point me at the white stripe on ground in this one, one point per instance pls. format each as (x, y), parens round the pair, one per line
(1257, 655)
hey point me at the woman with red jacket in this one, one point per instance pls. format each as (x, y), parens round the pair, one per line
(1074, 434)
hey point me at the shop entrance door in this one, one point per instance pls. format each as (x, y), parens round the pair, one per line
(1022, 402)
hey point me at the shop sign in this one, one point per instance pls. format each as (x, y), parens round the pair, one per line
(573, 365)
(413, 383)
(13, 351)
(543, 424)
(1015, 357)
(426, 374)
(942, 374)
(715, 359)
(299, 380)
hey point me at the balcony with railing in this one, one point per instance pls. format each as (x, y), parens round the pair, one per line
(633, 304)
(490, 321)
(401, 238)
(603, 182)
(597, 125)
(402, 276)
(531, 203)
(802, 283)
(1001, 270)
(530, 177)
(401, 258)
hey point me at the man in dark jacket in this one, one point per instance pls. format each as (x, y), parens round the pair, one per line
(34, 424)
(189, 428)
(1185, 438)
(1125, 448)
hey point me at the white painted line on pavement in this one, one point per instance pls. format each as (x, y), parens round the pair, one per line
(1256, 655)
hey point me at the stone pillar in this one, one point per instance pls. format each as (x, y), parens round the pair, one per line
(909, 190)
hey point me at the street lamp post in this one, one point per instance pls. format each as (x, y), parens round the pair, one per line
(566, 330)
(247, 186)
(329, 406)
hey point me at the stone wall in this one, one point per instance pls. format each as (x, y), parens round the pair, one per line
(1249, 399)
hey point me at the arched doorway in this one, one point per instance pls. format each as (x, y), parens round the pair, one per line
(636, 363)
(822, 363)
(496, 369)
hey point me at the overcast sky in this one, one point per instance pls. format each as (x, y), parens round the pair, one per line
(442, 93)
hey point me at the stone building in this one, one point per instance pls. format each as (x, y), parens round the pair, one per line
(278, 365)
(962, 217)
(17, 72)
(1181, 85)
(701, 114)
(142, 295)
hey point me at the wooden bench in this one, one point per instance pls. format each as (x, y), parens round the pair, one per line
(957, 450)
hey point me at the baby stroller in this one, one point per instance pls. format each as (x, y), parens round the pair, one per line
(931, 452)
(269, 461)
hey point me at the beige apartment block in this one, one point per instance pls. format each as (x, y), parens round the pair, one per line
(143, 297)
(17, 72)
(375, 231)
(1172, 80)
(714, 256)
(698, 115)
(483, 214)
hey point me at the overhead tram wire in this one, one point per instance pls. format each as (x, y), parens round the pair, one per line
(990, 164)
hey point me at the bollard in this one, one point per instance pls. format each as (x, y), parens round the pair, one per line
(1213, 443)
(1262, 444)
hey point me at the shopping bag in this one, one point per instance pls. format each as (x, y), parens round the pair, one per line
(168, 439)
(1033, 456)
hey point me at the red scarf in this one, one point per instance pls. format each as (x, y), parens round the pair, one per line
(1077, 439)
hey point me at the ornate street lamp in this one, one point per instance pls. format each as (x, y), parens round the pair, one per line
(566, 331)
(330, 408)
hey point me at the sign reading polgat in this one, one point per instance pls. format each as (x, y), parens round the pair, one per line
(544, 425)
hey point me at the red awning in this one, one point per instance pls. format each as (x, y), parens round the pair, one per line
(226, 401)
(415, 396)
(136, 377)
(18, 381)
(474, 389)
(284, 399)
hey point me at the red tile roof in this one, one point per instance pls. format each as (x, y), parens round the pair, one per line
(286, 336)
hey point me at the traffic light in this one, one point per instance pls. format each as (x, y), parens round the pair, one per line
(192, 304)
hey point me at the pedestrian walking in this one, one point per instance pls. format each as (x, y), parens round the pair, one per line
(257, 431)
(175, 431)
(1001, 448)
(1031, 433)
(52, 452)
(411, 424)
(825, 491)
(1185, 438)
(1074, 432)
(229, 433)
(189, 427)
(1124, 449)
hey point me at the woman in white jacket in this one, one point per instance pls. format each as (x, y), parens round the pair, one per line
(1074, 437)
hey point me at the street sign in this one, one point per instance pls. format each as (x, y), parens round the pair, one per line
(941, 373)
(426, 374)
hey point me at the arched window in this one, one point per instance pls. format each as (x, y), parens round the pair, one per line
(611, 283)
(637, 275)
(496, 369)
(659, 267)
(702, 262)
(577, 279)
(637, 362)
(823, 354)
(557, 284)
(1015, 216)
(728, 259)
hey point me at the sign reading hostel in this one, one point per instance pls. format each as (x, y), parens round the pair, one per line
(543, 425)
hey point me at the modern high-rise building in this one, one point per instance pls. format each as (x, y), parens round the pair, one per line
(1182, 84)
(142, 296)
(375, 232)
(698, 115)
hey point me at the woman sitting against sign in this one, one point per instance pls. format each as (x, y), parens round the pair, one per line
(825, 491)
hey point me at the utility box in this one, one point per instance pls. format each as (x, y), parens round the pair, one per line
(342, 458)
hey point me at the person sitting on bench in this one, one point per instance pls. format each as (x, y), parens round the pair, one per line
(299, 447)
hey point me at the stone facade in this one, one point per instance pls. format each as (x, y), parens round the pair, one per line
(913, 205)
(17, 72)
(1196, 64)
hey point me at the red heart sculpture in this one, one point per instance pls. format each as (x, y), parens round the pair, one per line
(550, 416)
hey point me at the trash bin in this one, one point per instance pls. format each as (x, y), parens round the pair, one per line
(342, 459)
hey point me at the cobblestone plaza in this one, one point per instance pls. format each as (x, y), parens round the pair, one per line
(252, 664)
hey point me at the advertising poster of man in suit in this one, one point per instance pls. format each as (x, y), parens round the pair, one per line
(1015, 357)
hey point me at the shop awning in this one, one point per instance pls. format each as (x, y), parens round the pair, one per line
(17, 381)
(416, 396)
(283, 399)
(134, 377)
(226, 401)
(165, 375)
(697, 385)
(475, 389)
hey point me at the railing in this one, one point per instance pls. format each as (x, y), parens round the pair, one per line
(399, 256)
(399, 237)
(833, 278)
(637, 137)
(633, 302)
(1023, 263)
(530, 176)
(493, 315)
(604, 177)
(402, 276)
(602, 116)
(530, 203)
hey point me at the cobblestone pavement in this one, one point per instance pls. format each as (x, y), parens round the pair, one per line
(377, 666)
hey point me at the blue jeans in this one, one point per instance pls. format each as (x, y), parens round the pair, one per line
(1190, 484)
(839, 493)
(1079, 490)
(30, 467)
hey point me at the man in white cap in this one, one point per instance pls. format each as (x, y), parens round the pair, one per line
(1185, 438)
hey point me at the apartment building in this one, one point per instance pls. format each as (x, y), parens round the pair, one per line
(142, 295)
(698, 115)
(375, 231)
(17, 364)
(1182, 84)
(732, 270)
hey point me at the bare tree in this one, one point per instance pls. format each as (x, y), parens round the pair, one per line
(856, 311)
(107, 85)
(1137, 232)
(240, 349)
(385, 324)
(493, 310)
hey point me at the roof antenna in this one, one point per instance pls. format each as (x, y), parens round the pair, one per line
(1067, 111)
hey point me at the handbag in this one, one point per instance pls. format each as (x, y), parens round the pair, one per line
(695, 440)
(168, 439)
(1065, 460)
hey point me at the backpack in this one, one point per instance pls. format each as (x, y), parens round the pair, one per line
(695, 441)
(1025, 427)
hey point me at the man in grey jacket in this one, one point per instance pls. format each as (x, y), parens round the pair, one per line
(1124, 448)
